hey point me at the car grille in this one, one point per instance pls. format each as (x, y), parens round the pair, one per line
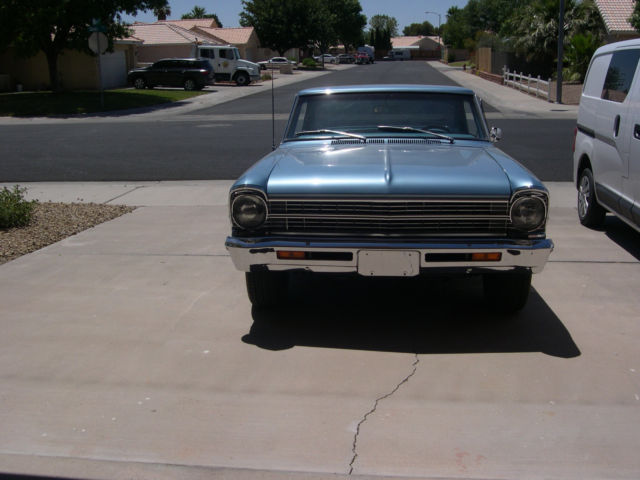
(439, 217)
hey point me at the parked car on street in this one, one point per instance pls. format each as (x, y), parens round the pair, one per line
(328, 58)
(362, 58)
(606, 158)
(346, 58)
(389, 180)
(276, 62)
(188, 73)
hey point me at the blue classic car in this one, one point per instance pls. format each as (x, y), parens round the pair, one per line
(389, 180)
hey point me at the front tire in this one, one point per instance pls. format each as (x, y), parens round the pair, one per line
(242, 79)
(507, 292)
(590, 212)
(266, 289)
(189, 85)
(139, 83)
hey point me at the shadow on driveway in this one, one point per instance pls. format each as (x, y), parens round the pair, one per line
(418, 315)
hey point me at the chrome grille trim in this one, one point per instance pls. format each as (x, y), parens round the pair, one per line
(375, 217)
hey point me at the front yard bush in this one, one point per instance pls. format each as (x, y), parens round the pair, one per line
(309, 63)
(15, 211)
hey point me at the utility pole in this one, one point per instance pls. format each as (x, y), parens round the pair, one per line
(560, 52)
(439, 21)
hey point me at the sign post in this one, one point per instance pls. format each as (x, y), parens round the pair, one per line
(98, 44)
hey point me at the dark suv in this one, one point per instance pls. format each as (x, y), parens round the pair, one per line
(189, 73)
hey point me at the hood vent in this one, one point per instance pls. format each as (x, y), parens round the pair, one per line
(389, 141)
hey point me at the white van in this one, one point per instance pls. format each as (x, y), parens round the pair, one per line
(606, 159)
(400, 54)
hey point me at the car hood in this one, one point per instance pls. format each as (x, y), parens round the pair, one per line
(440, 170)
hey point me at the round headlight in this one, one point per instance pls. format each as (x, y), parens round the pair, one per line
(528, 213)
(248, 211)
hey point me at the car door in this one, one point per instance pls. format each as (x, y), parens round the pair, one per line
(614, 124)
(156, 72)
(632, 184)
(225, 62)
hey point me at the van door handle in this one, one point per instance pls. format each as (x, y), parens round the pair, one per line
(636, 131)
(616, 126)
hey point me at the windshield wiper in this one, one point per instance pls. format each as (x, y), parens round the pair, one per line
(332, 132)
(416, 130)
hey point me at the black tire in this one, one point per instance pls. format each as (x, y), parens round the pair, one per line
(506, 292)
(139, 83)
(590, 212)
(190, 85)
(242, 79)
(266, 289)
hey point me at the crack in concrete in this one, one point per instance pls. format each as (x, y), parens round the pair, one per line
(354, 448)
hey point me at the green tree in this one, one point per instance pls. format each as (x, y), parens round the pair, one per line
(347, 21)
(635, 17)
(162, 12)
(200, 12)
(425, 28)
(53, 26)
(384, 22)
(578, 55)
(456, 30)
(535, 29)
(281, 24)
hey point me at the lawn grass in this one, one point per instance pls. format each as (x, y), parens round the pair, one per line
(468, 63)
(38, 104)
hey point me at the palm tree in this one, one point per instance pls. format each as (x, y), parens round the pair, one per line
(196, 12)
(162, 12)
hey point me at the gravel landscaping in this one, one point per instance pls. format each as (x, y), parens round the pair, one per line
(52, 222)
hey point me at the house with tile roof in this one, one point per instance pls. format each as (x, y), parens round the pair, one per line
(420, 46)
(165, 39)
(616, 14)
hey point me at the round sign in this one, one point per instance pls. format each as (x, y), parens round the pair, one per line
(98, 39)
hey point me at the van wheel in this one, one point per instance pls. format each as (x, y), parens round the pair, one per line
(266, 289)
(139, 83)
(590, 213)
(242, 79)
(506, 292)
(189, 84)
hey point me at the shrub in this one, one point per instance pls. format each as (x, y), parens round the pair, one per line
(15, 211)
(266, 76)
(309, 62)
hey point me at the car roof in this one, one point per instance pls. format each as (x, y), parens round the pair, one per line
(191, 59)
(634, 42)
(386, 88)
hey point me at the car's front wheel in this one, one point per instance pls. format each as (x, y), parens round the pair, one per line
(590, 212)
(507, 292)
(139, 83)
(242, 79)
(266, 289)
(189, 84)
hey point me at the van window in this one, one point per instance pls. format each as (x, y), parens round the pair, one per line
(206, 53)
(595, 76)
(620, 75)
(226, 53)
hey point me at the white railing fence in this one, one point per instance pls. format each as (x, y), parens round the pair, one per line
(532, 85)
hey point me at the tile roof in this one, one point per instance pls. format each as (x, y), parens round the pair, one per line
(233, 36)
(412, 41)
(615, 14)
(167, 34)
(193, 22)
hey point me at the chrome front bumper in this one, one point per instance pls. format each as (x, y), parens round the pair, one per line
(386, 258)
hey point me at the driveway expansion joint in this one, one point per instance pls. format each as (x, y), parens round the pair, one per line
(123, 194)
(354, 448)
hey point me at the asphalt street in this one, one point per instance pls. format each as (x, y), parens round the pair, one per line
(221, 141)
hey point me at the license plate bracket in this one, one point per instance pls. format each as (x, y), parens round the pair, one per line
(388, 263)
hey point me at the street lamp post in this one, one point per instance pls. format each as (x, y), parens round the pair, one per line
(439, 21)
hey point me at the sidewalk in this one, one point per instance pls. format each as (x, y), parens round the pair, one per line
(509, 102)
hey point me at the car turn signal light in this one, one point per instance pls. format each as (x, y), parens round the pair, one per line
(291, 255)
(486, 257)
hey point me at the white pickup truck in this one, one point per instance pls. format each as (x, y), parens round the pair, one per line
(227, 64)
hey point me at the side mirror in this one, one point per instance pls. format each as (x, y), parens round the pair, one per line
(496, 134)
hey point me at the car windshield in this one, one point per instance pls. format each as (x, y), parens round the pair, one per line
(453, 115)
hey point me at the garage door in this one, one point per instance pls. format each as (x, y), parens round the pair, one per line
(114, 70)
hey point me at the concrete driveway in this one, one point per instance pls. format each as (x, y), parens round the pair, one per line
(131, 351)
